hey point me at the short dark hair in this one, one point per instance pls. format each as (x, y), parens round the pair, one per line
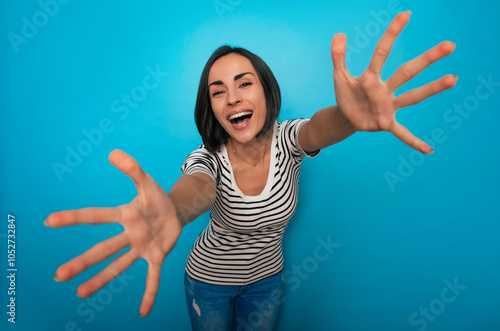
(212, 133)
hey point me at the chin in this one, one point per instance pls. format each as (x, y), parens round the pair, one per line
(243, 137)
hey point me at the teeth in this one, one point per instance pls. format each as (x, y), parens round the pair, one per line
(239, 115)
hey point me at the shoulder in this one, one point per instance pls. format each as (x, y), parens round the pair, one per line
(290, 128)
(292, 125)
(203, 153)
(202, 160)
(289, 133)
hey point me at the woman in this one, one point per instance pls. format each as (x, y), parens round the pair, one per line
(246, 173)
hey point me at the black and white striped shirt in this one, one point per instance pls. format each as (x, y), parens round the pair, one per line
(242, 243)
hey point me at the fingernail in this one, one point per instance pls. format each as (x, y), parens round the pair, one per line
(56, 278)
(45, 222)
(79, 294)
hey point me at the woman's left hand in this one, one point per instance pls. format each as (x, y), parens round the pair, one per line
(368, 102)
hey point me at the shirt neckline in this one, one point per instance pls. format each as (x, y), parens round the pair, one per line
(270, 177)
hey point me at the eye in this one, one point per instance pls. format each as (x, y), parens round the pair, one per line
(217, 93)
(245, 84)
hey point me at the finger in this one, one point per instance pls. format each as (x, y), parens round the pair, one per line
(130, 167)
(152, 285)
(415, 96)
(412, 68)
(385, 43)
(113, 270)
(96, 254)
(338, 50)
(83, 216)
(408, 138)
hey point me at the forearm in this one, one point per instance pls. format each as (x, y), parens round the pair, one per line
(192, 196)
(328, 126)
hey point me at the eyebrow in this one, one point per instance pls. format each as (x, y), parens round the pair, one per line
(238, 76)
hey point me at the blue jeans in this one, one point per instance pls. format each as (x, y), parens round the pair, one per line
(242, 308)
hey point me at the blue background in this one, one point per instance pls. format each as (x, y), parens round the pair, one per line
(402, 238)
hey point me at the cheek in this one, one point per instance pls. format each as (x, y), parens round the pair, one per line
(263, 105)
(259, 101)
(216, 109)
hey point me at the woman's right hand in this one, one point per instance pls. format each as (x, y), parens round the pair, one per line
(151, 230)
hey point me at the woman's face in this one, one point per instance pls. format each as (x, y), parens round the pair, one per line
(237, 97)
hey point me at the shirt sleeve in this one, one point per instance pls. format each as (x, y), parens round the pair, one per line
(201, 160)
(291, 130)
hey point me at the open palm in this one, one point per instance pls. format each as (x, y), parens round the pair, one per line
(368, 102)
(151, 229)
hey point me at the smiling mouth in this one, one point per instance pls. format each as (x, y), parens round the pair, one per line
(240, 118)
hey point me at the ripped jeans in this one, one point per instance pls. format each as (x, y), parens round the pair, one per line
(240, 308)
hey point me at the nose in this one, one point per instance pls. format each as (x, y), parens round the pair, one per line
(233, 97)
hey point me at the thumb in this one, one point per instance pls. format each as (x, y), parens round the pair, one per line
(130, 167)
(338, 49)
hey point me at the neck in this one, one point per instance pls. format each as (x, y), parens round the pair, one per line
(251, 152)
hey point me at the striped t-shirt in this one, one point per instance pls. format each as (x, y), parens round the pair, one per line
(242, 242)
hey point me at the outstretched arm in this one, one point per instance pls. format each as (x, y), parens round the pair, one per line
(367, 103)
(152, 223)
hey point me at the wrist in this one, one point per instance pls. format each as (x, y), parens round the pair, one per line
(346, 123)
